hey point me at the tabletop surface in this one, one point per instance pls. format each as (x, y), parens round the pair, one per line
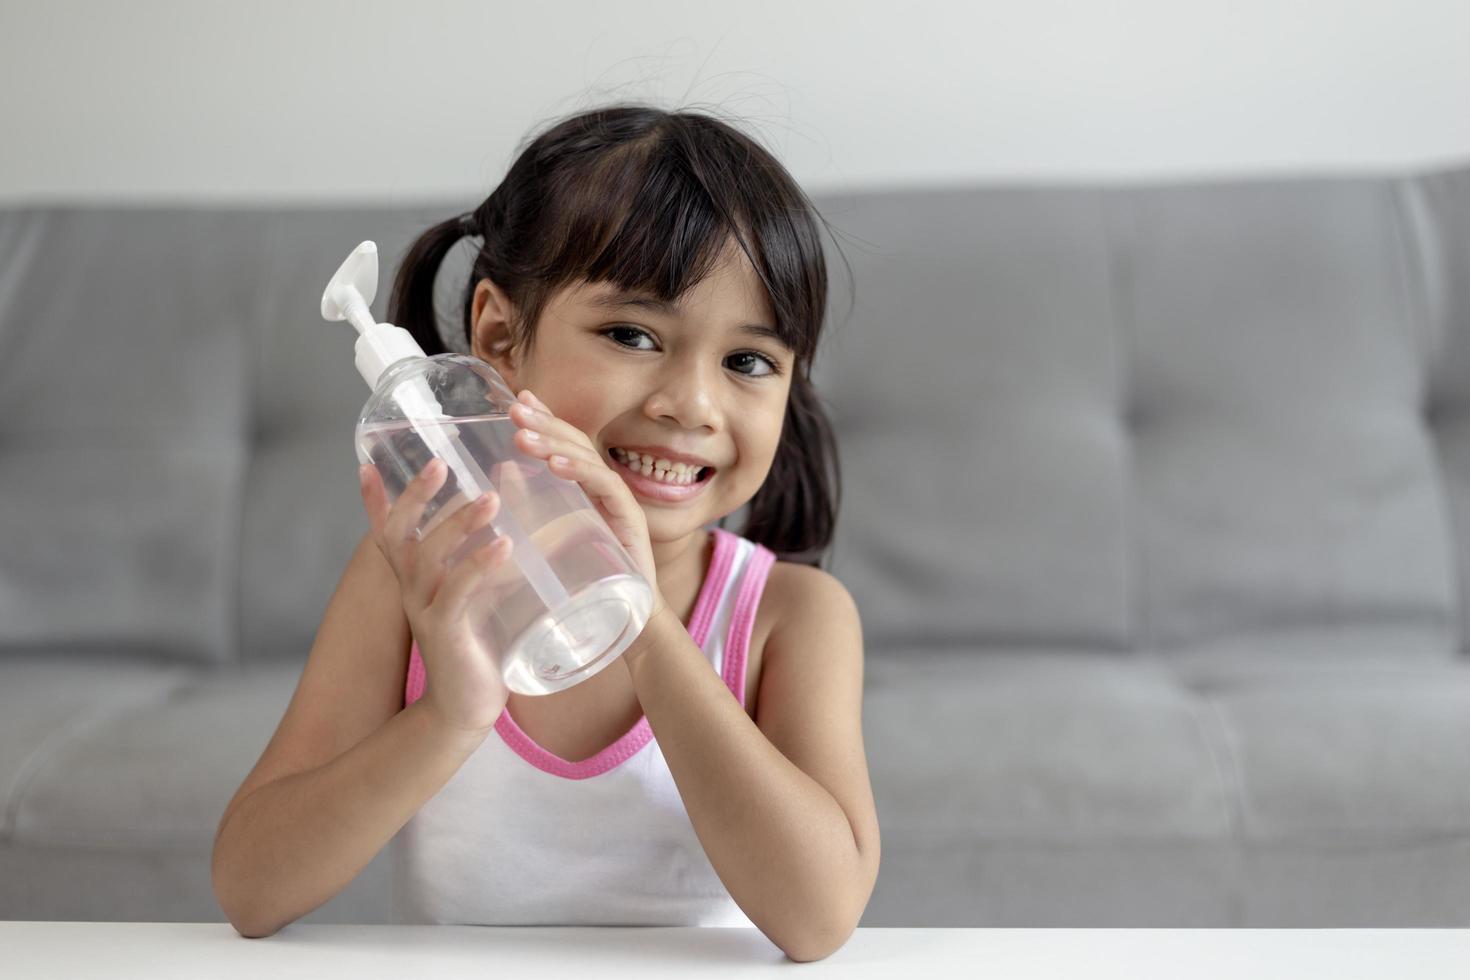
(54, 950)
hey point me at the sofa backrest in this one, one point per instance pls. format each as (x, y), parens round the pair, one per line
(1122, 416)
(1156, 416)
(176, 422)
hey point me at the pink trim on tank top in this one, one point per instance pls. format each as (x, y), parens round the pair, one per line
(742, 620)
(705, 607)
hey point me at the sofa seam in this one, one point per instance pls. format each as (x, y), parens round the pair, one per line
(1226, 762)
(1120, 309)
(86, 721)
(248, 437)
(1413, 284)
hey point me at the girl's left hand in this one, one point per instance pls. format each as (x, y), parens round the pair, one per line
(571, 456)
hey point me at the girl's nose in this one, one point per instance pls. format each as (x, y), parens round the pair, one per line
(685, 396)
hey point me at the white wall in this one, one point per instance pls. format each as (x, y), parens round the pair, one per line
(292, 99)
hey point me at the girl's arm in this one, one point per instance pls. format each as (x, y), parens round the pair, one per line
(296, 842)
(783, 807)
(347, 766)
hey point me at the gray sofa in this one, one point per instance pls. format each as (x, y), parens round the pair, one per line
(1157, 507)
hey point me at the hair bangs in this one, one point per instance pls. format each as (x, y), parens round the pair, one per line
(643, 218)
(662, 237)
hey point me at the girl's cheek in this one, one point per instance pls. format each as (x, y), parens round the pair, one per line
(584, 394)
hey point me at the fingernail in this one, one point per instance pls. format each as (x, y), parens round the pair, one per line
(362, 473)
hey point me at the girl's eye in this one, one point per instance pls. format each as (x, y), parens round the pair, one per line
(770, 364)
(772, 367)
(625, 331)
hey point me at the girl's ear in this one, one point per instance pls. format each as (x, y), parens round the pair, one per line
(490, 335)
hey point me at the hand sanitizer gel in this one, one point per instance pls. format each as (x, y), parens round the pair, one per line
(570, 599)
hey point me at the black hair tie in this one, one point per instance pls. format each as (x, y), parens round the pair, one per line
(467, 225)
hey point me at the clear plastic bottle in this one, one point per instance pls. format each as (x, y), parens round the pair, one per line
(570, 599)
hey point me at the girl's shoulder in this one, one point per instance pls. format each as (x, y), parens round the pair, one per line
(794, 598)
(803, 608)
(797, 591)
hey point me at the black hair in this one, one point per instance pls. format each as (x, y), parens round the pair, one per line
(647, 198)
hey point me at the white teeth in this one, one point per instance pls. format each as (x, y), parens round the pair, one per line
(662, 470)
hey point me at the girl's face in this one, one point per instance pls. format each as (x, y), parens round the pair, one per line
(691, 378)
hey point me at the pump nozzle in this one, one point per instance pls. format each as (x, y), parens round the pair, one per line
(382, 344)
(347, 297)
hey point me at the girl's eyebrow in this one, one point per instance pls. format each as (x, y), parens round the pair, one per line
(619, 299)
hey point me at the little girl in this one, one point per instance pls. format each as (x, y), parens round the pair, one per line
(653, 285)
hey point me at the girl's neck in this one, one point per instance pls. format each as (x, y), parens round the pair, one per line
(682, 565)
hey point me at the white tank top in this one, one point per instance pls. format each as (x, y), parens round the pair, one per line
(520, 836)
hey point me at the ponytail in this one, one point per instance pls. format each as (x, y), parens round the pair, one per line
(411, 304)
(794, 513)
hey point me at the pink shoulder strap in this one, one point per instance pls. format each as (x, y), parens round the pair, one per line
(742, 619)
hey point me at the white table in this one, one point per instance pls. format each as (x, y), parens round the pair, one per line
(56, 950)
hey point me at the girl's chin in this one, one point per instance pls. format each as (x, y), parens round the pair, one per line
(674, 522)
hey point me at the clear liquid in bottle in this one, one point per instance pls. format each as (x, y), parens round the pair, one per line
(539, 649)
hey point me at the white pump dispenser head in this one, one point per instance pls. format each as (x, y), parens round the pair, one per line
(347, 297)
(381, 345)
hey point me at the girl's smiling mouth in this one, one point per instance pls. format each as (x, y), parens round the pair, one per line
(672, 484)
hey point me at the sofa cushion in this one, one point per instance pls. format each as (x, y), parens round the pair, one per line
(154, 770)
(1039, 744)
(122, 397)
(1285, 474)
(1342, 755)
(47, 701)
(975, 393)
(1149, 417)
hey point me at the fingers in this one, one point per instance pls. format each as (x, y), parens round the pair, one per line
(471, 576)
(381, 517)
(543, 435)
(566, 448)
(403, 517)
(600, 482)
(570, 456)
(545, 448)
(450, 537)
(394, 527)
(372, 497)
(547, 426)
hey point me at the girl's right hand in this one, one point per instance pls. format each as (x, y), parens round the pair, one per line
(463, 685)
